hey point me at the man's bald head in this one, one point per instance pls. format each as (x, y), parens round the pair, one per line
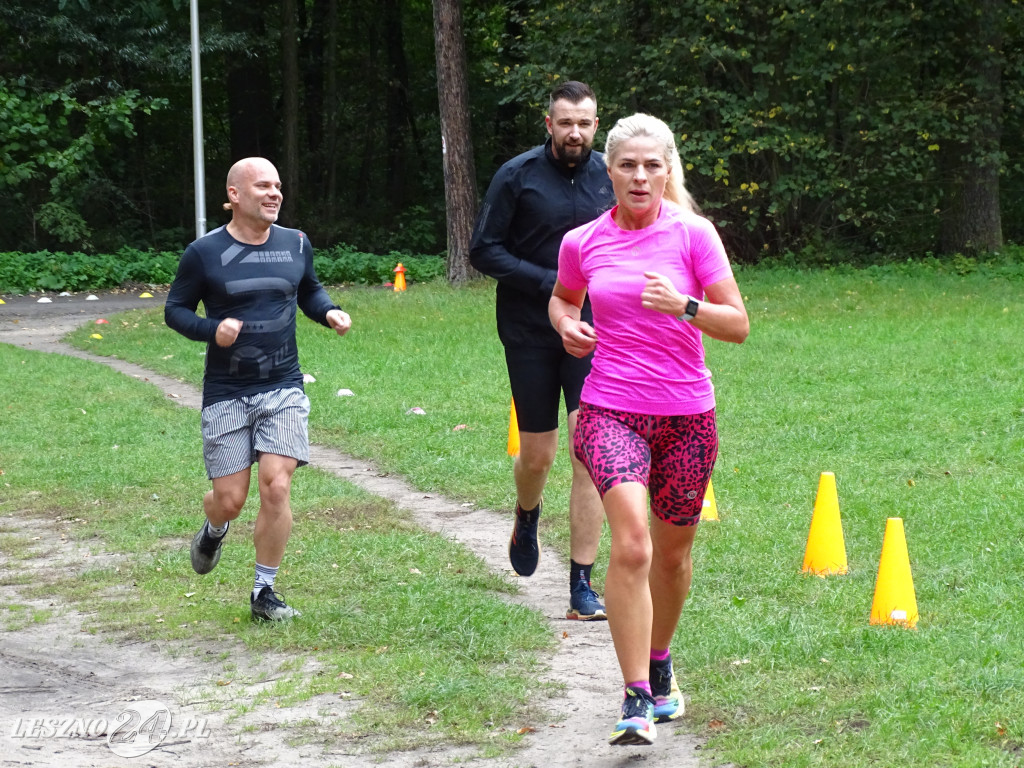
(245, 170)
(254, 199)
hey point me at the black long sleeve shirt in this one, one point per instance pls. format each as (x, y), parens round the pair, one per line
(532, 201)
(261, 285)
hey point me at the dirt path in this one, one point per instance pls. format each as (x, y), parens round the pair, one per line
(55, 670)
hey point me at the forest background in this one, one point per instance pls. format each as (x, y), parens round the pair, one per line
(811, 132)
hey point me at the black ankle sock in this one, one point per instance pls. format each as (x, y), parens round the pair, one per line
(579, 572)
(534, 511)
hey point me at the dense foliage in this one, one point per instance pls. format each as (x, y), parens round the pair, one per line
(865, 129)
(48, 272)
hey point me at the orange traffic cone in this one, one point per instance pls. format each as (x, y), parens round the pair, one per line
(710, 509)
(399, 277)
(513, 432)
(895, 601)
(826, 548)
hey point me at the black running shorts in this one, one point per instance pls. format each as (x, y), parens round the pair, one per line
(539, 377)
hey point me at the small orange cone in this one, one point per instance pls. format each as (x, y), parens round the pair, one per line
(826, 548)
(895, 601)
(399, 277)
(513, 432)
(710, 509)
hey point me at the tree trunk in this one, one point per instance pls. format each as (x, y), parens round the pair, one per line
(971, 220)
(456, 140)
(290, 117)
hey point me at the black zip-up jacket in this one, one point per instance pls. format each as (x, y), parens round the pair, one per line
(533, 200)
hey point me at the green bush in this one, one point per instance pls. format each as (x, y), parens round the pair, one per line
(57, 271)
(344, 264)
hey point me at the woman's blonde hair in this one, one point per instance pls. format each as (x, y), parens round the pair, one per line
(650, 126)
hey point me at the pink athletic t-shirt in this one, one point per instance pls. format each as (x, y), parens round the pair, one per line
(645, 361)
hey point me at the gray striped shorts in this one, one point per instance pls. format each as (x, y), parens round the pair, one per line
(236, 432)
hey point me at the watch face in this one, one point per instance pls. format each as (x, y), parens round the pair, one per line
(691, 308)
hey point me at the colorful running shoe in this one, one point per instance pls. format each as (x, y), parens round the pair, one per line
(668, 700)
(523, 547)
(584, 604)
(637, 723)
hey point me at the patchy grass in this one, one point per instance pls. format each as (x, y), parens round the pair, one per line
(904, 382)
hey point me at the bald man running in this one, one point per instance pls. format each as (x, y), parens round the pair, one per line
(250, 276)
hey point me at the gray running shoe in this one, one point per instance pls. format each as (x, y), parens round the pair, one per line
(205, 550)
(270, 606)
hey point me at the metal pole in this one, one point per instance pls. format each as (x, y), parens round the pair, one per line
(197, 125)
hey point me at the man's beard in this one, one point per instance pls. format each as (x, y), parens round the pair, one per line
(572, 154)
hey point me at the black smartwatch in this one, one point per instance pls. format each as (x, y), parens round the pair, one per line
(692, 305)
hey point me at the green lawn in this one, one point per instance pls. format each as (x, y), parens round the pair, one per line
(406, 620)
(906, 383)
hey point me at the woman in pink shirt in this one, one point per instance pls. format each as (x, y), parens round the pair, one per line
(658, 278)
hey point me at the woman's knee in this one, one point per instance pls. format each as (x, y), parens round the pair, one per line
(632, 551)
(673, 556)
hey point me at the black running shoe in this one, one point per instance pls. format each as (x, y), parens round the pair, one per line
(205, 550)
(523, 547)
(270, 606)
